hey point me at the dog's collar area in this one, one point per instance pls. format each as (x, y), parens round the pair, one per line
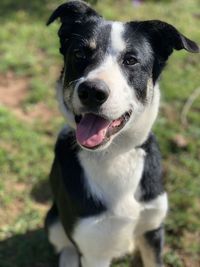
(94, 131)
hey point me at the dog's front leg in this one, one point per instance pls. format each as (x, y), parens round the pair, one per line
(69, 257)
(151, 246)
(102, 238)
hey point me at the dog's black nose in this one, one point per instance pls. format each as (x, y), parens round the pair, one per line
(93, 93)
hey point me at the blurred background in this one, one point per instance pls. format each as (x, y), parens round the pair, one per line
(29, 123)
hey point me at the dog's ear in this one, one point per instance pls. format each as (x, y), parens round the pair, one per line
(74, 16)
(164, 38)
(72, 11)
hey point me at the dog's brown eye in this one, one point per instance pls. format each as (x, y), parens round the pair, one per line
(129, 60)
(79, 54)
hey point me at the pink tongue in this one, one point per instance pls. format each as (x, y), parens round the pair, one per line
(91, 130)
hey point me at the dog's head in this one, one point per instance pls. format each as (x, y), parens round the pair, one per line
(108, 88)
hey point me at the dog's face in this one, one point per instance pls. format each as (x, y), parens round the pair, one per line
(108, 87)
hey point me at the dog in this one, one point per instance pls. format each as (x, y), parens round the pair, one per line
(106, 178)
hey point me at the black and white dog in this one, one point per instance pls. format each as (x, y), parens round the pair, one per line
(106, 176)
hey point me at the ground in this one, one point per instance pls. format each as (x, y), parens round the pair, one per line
(30, 121)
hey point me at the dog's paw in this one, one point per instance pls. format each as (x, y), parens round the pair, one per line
(69, 258)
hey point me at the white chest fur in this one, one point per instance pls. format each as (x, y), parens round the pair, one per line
(114, 181)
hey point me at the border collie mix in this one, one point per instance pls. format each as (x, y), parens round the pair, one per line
(106, 177)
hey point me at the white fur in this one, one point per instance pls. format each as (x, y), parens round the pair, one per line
(69, 258)
(114, 183)
(57, 237)
(106, 173)
(68, 254)
(104, 237)
(117, 41)
(144, 122)
(152, 214)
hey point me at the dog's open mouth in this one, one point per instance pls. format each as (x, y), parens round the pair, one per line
(93, 130)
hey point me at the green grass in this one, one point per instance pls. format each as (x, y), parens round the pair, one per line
(29, 50)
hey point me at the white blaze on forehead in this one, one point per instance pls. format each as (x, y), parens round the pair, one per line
(117, 42)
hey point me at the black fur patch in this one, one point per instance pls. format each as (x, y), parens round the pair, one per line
(80, 40)
(138, 74)
(151, 184)
(67, 183)
(52, 216)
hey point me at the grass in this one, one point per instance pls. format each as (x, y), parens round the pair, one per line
(29, 51)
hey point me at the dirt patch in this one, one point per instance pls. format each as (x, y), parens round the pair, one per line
(189, 262)
(13, 91)
(40, 111)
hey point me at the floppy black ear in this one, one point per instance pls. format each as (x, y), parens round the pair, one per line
(72, 11)
(74, 16)
(164, 38)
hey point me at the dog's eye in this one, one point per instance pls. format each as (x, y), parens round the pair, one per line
(129, 60)
(79, 53)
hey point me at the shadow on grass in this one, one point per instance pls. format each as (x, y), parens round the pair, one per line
(41, 192)
(27, 250)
